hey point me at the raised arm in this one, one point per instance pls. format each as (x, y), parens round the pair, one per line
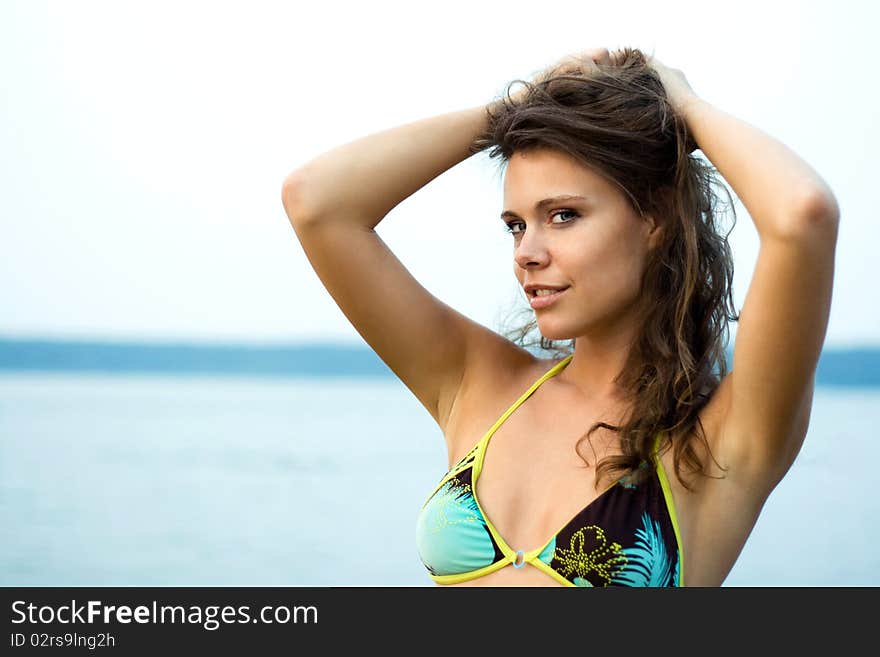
(335, 201)
(360, 182)
(768, 394)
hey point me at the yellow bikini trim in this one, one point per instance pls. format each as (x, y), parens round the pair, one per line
(506, 550)
(670, 504)
(464, 577)
(474, 574)
(532, 556)
(540, 565)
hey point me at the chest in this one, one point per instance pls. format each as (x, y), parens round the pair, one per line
(537, 471)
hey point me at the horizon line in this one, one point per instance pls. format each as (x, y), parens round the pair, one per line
(199, 341)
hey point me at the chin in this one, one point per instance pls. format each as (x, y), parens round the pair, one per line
(555, 331)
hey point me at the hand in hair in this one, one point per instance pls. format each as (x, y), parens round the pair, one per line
(678, 90)
(582, 63)
(586, 62)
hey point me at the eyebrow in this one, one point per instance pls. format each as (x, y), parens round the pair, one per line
(540, 205)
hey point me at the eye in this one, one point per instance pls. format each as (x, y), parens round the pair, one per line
(511, 227)
(562, 211)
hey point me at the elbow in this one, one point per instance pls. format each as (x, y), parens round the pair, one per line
(818, 209)
(291, 197)
(814, 211)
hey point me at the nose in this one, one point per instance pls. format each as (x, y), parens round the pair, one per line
(531, 251)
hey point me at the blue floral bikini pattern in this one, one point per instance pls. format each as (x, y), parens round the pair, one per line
(592, 560)
(586, 556)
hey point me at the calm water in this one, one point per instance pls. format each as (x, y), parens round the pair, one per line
(168, 480)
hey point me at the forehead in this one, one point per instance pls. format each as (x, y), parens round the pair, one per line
(547, 172)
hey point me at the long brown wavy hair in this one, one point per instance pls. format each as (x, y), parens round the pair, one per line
(617, 119)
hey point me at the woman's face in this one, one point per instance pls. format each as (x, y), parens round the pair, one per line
(595, 246)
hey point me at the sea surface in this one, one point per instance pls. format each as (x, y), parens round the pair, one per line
(157, 479)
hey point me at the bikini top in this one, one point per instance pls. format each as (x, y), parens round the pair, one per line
(627, 536)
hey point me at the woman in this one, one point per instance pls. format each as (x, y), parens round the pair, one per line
(615, 246)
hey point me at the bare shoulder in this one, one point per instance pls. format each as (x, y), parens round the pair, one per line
(497, 373)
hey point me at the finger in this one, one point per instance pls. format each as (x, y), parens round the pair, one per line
(585, 61)
(601, 56)
(575, 64)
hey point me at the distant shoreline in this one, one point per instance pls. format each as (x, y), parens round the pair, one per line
(837, 366)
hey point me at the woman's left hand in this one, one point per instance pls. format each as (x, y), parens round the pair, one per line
(678, 90)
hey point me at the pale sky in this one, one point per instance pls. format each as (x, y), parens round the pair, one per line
(143, 147)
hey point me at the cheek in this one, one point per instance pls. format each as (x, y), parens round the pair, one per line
(610, 274)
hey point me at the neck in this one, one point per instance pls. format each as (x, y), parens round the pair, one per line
(597, 360)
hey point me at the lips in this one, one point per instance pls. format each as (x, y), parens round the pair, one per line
(532, 288)
(543, 301)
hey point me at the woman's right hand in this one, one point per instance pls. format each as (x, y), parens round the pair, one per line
(582, 63)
